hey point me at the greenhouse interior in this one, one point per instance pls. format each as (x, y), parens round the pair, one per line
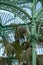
(21, 32)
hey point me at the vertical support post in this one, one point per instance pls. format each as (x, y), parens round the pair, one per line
(33, 33)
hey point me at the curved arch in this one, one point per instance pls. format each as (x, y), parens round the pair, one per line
(15, 6)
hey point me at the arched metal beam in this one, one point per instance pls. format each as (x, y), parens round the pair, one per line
(15, 6)
(19, 1)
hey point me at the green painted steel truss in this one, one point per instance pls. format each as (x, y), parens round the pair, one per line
(33, 19)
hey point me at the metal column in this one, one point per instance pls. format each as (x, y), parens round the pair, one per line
(33, 33)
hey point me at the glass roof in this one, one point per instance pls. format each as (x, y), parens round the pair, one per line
(9, 17)
(17, 16)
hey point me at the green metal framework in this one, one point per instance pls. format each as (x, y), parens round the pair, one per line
(33, 19)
